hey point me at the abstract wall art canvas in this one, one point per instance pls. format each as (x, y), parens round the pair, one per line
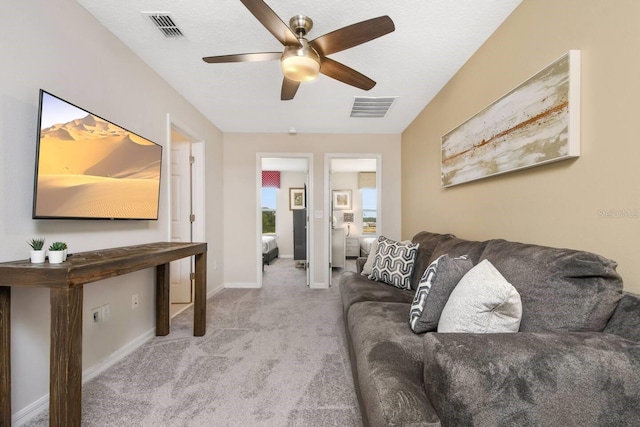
(536, 123)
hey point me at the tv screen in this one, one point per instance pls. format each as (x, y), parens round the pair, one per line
(90, 168)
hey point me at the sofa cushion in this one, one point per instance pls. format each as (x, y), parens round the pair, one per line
(428, 242)
(394, 263)
(456, 247)
(387, 358)
(482, 302)
(561, 289)
(533, 379)
(356, 288)
(434, 289)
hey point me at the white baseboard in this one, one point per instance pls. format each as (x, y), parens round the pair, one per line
(92, 372)
(319, 286)
(285, 256)
(215, 290)
(34, 409)
(242, 285)
(30, 411)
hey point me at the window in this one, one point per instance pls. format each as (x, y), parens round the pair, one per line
(269, 197)
(369, 210)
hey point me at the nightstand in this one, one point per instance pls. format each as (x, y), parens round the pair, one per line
(353, 247)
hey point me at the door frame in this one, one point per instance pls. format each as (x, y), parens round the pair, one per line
(328, 157)
(181, 273)
(197, 178)
(309, 201)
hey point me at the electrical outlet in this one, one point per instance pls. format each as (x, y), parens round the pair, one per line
(95, 314)
(135, 302)
(105, 312)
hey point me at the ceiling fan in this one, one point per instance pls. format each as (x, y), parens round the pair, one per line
(302, 60)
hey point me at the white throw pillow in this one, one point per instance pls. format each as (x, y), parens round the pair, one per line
(366, 268)
(482, 302)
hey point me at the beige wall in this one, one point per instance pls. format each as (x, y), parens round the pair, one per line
(239, 201)
(560, 204)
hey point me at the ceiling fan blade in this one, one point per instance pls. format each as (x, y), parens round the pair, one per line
(353, 35)
(271, 22)
(243, 57)
(289, 89)
(347, 75)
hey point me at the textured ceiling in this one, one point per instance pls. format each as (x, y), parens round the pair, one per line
(432, 40)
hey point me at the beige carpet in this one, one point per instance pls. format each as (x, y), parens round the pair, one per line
(274, 356)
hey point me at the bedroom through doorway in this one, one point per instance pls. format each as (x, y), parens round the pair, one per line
(354, 200)
(283, 221)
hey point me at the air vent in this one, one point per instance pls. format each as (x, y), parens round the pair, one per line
(371, 107)
(164, 23)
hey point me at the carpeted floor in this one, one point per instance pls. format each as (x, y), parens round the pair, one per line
(274, 356)
(283, 272)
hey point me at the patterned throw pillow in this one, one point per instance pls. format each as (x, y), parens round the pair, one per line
(394, 263)
(436, 284)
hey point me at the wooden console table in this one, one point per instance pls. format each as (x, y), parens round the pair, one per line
(66, 283)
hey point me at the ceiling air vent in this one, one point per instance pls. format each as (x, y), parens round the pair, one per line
(166, 25)
(371, 106)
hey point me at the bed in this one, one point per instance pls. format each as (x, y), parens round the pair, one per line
(269, 249)
(365, 245)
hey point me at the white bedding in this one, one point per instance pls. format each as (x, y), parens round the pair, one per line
(365, 244)
(268, 243)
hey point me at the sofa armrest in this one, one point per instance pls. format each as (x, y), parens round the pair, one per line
(625, 321)
(360, 262)
(568, 379)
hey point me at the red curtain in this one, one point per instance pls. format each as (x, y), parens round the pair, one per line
(271, 179)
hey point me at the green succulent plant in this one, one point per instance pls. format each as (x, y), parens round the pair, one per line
(36, 243)
(57, 246)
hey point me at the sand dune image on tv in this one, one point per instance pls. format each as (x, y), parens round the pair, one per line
(91, 168)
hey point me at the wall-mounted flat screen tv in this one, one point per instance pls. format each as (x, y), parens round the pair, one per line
(90, 168)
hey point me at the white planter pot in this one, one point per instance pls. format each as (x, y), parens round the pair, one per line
(64, 255)
(56, 257)
(37, 257)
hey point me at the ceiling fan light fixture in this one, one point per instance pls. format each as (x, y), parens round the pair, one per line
(300, 64)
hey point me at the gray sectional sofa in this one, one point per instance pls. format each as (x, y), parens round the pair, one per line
(574, 362)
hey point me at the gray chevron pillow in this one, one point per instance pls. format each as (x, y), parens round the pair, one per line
(394, 261)
(436, 284)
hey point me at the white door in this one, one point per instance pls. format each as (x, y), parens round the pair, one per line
(330, 234)
(180, 278)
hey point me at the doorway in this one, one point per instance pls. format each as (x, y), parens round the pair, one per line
(284, 238)
(186, 214)
(353, 201)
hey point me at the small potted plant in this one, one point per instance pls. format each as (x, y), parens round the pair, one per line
(37, 252)
(56, 252)
(64, 251)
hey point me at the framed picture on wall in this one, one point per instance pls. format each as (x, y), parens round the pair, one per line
(342, 199)
(296, 199)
